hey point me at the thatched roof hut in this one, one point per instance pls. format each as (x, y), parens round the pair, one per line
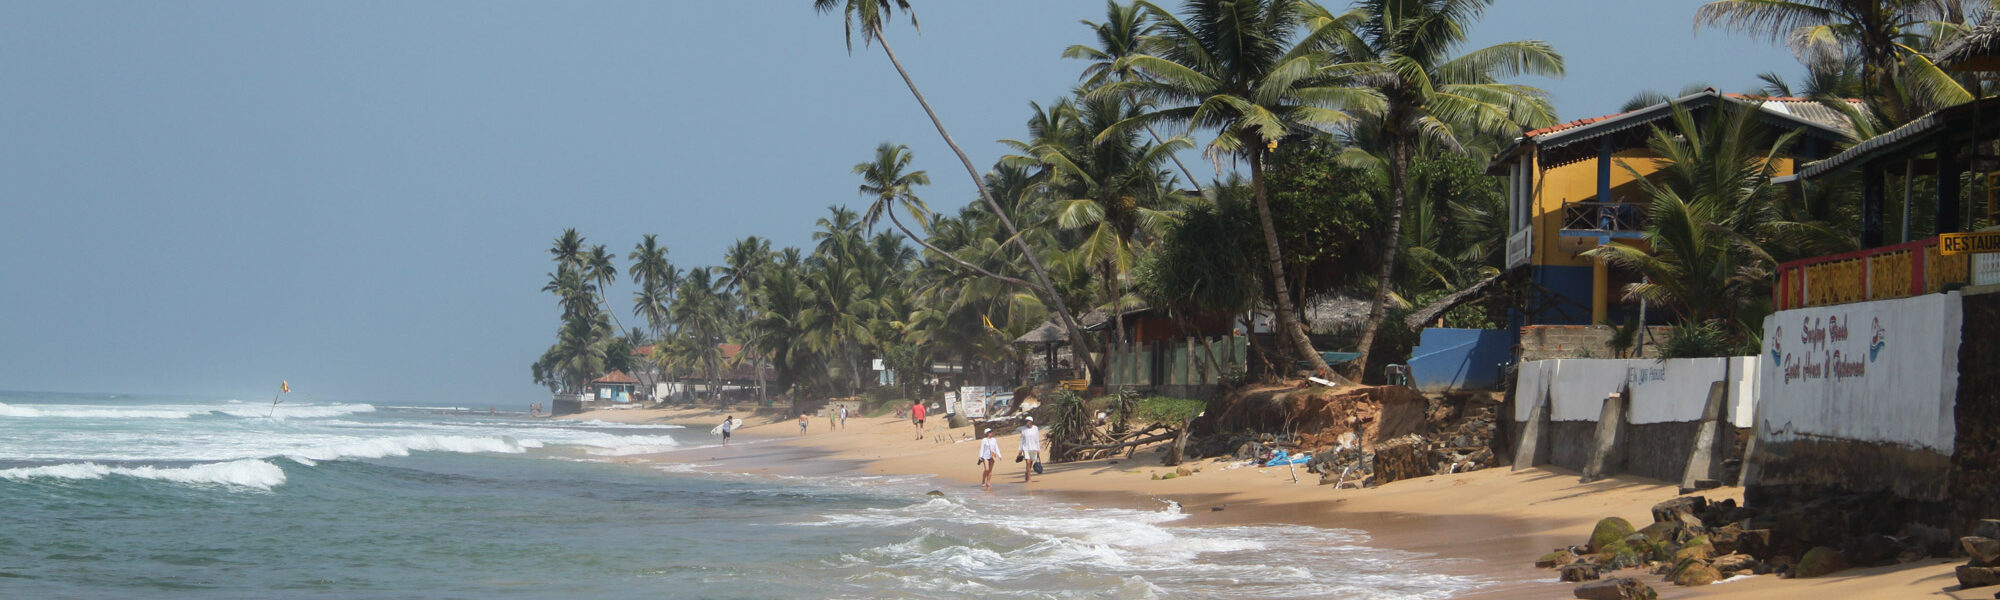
(1977, 50)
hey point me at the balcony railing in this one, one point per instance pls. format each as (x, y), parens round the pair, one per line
(1603, 217)
(1899, 271)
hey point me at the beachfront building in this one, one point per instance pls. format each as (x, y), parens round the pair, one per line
(615, 387)
(1574, 186)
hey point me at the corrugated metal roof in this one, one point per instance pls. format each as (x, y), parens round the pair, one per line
(1912, 132)
(1795, 113)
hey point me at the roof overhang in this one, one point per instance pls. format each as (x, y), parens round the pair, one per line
(1613, 124)
(1966, 119)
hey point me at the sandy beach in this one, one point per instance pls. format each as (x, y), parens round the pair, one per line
(1494, 522)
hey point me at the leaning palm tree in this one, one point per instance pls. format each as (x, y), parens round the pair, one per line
(871, 15)
(598, 266)
(887, 181)
(1402, 49)
(1253, 71)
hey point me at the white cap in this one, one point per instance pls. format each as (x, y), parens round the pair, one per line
(1030, 419)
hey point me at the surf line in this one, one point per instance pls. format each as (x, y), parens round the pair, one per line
(284, 387)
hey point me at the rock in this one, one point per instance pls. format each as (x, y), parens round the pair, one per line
(1726, 538)
(1183, 471)
(1933, 541)
(1684, 510)
(1554, 559)
(1581, 571)
(934, 494)
(1971, 577)
(1609, 530)
(1661, 532)
(1871, 550)
(1402, 458)
(1754, 542)
(1985, 552)
(1730, 563)
(1218, 508)
(1617, 588)
(1700, 552)
(1818, 561)
(1987, 528)
(1694, 572)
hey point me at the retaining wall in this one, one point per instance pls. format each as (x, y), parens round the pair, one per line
(1662, 418)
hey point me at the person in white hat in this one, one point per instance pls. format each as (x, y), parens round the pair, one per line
(989, 453)
(1031, 448)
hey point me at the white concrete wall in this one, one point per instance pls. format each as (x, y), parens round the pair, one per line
(1883, 371)
(1663, 390)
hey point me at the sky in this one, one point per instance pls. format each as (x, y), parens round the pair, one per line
(207, 197)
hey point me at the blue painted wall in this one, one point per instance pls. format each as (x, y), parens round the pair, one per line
(1565, 295)
(1460, 359)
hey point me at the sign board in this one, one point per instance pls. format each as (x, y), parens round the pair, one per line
(971, 410)
(1519, 248)
(1969, 243)
(1075, 385)
(1883, 371)
(951, 403)
(878, 364)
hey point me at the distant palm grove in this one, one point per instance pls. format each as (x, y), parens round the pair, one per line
(1355, 146)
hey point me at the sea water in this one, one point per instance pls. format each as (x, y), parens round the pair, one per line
(174, 497)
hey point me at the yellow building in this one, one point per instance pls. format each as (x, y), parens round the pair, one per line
(1568, 191)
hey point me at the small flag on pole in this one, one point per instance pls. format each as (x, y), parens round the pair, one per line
(284, 386)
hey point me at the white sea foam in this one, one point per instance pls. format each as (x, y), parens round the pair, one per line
(611, 425)
(241, 473)
(404, 445)
(299, 411)
(1001, 542)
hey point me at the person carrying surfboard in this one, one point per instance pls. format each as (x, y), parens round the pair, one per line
(728, 426)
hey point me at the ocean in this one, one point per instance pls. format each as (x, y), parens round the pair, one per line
(109, 496)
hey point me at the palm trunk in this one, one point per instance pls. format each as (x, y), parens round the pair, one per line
(1043, 288)
(1288, 324)
(1392, 240)
(763, 396)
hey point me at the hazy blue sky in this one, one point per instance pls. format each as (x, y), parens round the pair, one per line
(206, 197)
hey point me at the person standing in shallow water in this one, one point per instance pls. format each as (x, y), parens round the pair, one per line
(917, 416)
(989, 453)
(1031, 449)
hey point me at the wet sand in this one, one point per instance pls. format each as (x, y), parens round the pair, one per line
(1493, 523)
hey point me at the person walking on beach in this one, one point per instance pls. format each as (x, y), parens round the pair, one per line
(843, 417)
(989, 453)
(728, 426)
(917, 416)
(1031, 449)
(802, 423)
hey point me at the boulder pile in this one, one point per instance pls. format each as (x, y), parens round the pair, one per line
(1983, 549)
(1694, 542)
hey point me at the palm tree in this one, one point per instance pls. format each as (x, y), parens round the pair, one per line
(699, 313)
(597, 265)
(1105, 183)
(836, 323)
(655, 276)
(1122, 34)
(1402, 49)
(568, 250)
(870, 15)
(1879, 32)
(1710, 219)
(1253, 71)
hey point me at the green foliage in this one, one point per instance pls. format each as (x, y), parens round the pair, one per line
(1623, 335)
(1703, 340)
(1172, 412)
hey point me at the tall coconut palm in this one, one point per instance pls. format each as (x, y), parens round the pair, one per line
(836, 324)
(568, 252)
(1403, 51)
(1253, 71)
(870, 16)
(1122, 34)
(654, 274)
(700, 312)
